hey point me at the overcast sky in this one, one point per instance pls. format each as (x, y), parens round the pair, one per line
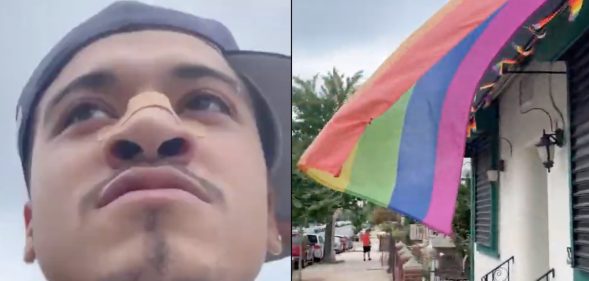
(352, 35)
(29, 28)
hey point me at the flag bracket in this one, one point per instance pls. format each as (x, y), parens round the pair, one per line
(533, 72)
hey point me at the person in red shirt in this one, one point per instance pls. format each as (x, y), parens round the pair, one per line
(365, 238)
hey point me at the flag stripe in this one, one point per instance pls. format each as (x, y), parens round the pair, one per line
(375, 168)
(418, 142)
(346, 127)
(450, 144)
(409, 44)
(400, 140)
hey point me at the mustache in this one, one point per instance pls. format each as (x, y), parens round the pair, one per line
(213, 190)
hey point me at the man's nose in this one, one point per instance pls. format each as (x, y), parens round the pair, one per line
(150, 135)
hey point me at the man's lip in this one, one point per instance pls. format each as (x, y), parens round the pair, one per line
(146, 178)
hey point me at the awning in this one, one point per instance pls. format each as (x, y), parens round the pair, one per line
(399, 142)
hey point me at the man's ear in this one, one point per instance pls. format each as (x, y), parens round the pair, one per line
(274, 243)
(29, 254)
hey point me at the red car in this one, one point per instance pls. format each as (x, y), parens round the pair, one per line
(296, 251)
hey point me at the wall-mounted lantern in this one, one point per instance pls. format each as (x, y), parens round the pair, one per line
(492, 175)
(546, 146)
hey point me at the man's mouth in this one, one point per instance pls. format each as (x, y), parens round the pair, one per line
(151, 179)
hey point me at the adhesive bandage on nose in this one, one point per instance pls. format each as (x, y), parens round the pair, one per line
(147, 101)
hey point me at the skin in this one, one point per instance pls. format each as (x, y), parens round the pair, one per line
(176, 240)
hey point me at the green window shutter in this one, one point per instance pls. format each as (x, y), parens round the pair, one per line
(485, 205)
(578, 73)
(485, 156)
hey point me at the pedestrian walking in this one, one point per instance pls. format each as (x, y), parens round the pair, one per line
(365, 238)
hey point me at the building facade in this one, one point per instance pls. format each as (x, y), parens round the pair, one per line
(527, 221)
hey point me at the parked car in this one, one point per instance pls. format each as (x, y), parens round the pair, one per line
(346, 241)
(296, 251)
(349, 243)
(338, 244)
(357, 236)
(345, 230)
(317, 243)
(341, 241)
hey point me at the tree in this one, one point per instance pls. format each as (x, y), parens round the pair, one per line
(380, 215)
(361, 216)
(461, 222)
(313, 106)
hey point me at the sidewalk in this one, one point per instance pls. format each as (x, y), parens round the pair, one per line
(353, 268)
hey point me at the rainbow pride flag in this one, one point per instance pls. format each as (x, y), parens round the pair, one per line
(399, 141)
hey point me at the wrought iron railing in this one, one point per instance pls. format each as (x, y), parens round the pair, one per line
(500, 273)
(546, 276)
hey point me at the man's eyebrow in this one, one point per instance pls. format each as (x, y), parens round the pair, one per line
(90, 81)
(195, 71)
(101, 78)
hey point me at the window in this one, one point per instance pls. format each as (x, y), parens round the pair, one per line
(296, 239)
(485, 195)
(577, 65)
(484, 152)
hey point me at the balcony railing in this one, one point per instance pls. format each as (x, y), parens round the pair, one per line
(546, 276)
(500, 273)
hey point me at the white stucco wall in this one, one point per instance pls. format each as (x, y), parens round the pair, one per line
(534, 220)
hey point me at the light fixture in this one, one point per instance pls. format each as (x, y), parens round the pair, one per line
(492, 175)
(546, 146)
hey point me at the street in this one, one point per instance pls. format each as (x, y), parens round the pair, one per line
(350, 267)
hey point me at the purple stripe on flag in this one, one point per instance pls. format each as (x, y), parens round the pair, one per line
(452, 133)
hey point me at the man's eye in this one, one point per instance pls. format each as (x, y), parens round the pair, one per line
(206, 102)
(85, 112)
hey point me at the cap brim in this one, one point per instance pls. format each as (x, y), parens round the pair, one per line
(270, 74)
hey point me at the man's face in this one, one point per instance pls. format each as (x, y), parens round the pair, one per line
(205, 214)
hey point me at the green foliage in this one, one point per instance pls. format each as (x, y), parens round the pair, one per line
(400, 234)
(387, 227)
(314, 104)
(360, 217)
(461, 222)
(380, 215)
(409, 221)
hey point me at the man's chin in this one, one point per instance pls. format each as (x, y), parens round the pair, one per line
(148, 273)
(162, 261)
